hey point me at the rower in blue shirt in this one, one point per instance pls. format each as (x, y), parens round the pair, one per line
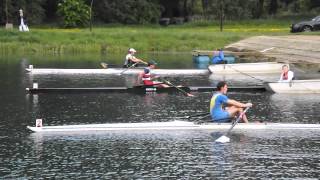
(218, 57)
(223, 109)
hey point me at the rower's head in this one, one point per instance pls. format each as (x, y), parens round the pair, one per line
(132, 51)
(222, 87)
(146, 70)
(152, 64)
(285, 68)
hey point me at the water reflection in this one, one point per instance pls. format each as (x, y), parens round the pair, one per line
(293, 107)
(177, 154)
(144, 155)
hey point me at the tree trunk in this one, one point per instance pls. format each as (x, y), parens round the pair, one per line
(260, 9)
(185, 9)
(191, 7)
(273, 7)
(221, 15)
(205, 8)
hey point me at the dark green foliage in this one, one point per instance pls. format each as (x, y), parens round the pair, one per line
(74, 13)
(32, 10)
(128, 11)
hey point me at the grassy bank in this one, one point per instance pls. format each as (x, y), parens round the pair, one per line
(117, 38)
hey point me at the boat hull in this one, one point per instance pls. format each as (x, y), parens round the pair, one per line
(173, 125)
(240, 68)
(295, 86)
(117, 71)
(142, 89)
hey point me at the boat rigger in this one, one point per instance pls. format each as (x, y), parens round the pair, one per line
(140, 89)
(173, 125)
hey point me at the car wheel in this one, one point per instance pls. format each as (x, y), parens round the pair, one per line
(306, 29)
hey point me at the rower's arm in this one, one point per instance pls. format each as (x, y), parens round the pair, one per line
(136, 60)
(238, 104)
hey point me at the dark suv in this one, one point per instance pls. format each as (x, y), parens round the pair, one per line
(312, 25)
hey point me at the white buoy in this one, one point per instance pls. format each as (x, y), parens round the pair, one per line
(30, 66)
(35, 86)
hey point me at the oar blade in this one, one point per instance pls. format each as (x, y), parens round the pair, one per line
(104, 65)
(178, 88)
(190, 95)
(223, 139)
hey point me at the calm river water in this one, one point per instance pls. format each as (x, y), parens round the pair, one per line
(146, 155)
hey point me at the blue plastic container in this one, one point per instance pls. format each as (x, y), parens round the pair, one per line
(203, 59)
(230, 59)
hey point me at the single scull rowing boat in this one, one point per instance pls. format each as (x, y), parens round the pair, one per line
(173, 125)
(116, 71)
(139, 89)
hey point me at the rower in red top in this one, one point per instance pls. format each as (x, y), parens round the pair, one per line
(148, 79)
(286, 75)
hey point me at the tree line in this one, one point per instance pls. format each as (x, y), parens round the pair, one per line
(77, 13)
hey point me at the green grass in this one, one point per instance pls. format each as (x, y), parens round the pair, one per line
(151, 38)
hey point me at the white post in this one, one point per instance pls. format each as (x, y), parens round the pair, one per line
(22, 27)
(38, 122)
(35, 86)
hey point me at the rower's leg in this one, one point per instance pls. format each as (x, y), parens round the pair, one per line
(244, 118)
(235, 111)
(165, 85)
(160, 84)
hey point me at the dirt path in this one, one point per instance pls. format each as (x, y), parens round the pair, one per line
(292, 49)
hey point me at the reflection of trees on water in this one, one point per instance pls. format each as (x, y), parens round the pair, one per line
(32, 105)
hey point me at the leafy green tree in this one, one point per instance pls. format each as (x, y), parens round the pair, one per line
(34, 11)
(128, 11)
(75, 13)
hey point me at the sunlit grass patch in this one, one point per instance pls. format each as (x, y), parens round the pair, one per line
(118, 38)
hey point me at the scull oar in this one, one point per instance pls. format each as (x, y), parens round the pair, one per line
(133, 65)
(106, 65)
(184, 92)
(224, 138)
